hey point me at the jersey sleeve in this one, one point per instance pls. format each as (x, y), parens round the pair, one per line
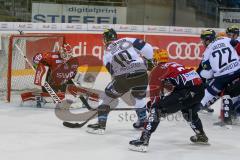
(107, 58)
(206, 65)
(143, 47)
(147, 51)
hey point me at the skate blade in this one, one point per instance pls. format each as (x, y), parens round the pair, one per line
(201, 143)
(96, 131)
(138, 148)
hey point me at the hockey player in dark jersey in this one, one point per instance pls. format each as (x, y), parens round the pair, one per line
(186, 91)
(124, 59)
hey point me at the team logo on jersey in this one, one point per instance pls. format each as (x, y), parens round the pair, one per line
(65, 75)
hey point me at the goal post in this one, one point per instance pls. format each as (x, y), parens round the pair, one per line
(16, 75)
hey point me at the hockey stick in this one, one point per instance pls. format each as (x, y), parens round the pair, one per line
(84, 101)
(49, 89)
(79, 125)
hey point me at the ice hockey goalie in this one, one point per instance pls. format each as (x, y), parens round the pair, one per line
(57, 68)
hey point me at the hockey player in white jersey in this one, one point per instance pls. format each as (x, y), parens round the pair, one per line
(220, 63)
(125, 60)
(229, 115)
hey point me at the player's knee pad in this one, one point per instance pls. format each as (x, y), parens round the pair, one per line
(111, 92)
(141, 105)
(207, 97)
(106, 100)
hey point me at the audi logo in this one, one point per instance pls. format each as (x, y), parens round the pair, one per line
(183, 50)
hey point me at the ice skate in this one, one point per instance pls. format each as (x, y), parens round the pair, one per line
(140, 145)
(96, 129)
(199, 139)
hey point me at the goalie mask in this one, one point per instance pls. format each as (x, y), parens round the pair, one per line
(160, 56)
(208, 36)
(66, 52)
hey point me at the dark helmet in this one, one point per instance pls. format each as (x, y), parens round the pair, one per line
(109, 35)
(208, 35)
(233, 30)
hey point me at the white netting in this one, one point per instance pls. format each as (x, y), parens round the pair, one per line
(3, 66)
(22, 74)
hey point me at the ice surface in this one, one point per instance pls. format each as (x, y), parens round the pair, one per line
(28, 133)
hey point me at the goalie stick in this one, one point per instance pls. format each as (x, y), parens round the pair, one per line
(90, 108)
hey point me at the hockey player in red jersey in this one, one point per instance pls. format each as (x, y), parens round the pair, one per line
(57, 68)
(186, 91)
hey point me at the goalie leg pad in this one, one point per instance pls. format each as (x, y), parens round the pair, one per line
(32, 96)
(29, 96)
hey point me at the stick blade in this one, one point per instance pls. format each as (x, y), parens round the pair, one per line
(72, 125)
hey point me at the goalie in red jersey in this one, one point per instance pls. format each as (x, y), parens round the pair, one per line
(185, 93)
(58, 69)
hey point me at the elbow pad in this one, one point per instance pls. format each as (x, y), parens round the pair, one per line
(147, 51)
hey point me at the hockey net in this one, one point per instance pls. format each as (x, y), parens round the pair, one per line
(16, 75)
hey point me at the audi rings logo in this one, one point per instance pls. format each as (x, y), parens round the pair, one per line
(183, 50)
